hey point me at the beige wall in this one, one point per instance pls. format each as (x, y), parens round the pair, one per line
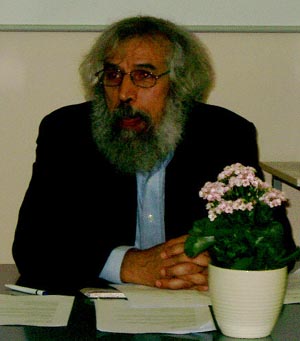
(258, 76)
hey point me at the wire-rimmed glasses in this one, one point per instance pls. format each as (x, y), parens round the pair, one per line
(140, 78)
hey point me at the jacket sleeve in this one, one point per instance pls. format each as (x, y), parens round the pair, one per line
(67, 224)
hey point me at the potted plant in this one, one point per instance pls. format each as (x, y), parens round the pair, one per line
(246, 244)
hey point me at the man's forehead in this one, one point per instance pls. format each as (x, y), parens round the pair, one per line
(142, 49)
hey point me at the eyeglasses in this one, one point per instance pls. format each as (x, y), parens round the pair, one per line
(140, 78)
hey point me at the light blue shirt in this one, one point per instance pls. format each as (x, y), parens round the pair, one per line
(150, 225)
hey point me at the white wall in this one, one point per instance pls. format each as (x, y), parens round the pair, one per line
(258, 76)
(187, 12)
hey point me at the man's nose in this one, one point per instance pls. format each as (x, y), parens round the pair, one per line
(127, 90)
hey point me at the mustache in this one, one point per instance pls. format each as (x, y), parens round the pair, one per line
(127, 111)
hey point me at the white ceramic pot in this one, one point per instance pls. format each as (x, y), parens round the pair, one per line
(246, 304)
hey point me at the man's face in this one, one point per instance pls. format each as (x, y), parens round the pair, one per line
(139, 54)
(134, 127)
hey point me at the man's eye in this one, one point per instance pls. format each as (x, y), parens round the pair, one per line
(112, 74)
(142, 74)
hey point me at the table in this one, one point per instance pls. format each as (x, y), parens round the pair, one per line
(287, 172)
(82, 324)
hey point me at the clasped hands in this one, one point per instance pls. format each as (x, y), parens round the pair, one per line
(166, 266)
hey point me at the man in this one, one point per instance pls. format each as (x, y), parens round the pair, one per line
(115, 184)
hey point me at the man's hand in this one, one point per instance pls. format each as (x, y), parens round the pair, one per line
(183, 271)
(166, 266)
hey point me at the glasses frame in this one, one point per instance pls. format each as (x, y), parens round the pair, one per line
(100, 75)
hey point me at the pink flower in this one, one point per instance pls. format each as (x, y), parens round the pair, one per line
(238, 189)
(273, 197)
(213, 191)
(241, 205)
(237, 169)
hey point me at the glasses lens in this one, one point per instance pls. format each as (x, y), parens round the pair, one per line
(142, 78)
(112, 77)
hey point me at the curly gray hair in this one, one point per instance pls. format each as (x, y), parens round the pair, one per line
(191, 71)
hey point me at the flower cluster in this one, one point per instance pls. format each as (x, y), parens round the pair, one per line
(238, 188)
(241, 230)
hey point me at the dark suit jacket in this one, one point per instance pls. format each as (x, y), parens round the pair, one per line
(78, 207)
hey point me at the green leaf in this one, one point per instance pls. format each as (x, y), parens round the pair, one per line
(243, 264)
(196, 244)
(295, 256)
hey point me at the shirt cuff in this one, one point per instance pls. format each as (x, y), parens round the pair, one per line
(112, 268)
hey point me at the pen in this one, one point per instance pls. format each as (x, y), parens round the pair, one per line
(26, 290)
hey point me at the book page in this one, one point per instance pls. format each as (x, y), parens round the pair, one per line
(32, 310)
(120, 317)
(144, 296)
(292, 294)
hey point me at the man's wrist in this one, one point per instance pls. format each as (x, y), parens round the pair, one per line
(139, 267)
(112, 268)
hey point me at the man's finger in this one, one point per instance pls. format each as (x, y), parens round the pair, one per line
(173, 250)
(196, 279)
(174, 247)
(203, 259)
(173, 283)
(181, 269)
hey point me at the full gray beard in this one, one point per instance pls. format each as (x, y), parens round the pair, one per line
(131, 151)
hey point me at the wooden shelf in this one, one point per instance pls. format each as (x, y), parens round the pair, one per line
(287, 172)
